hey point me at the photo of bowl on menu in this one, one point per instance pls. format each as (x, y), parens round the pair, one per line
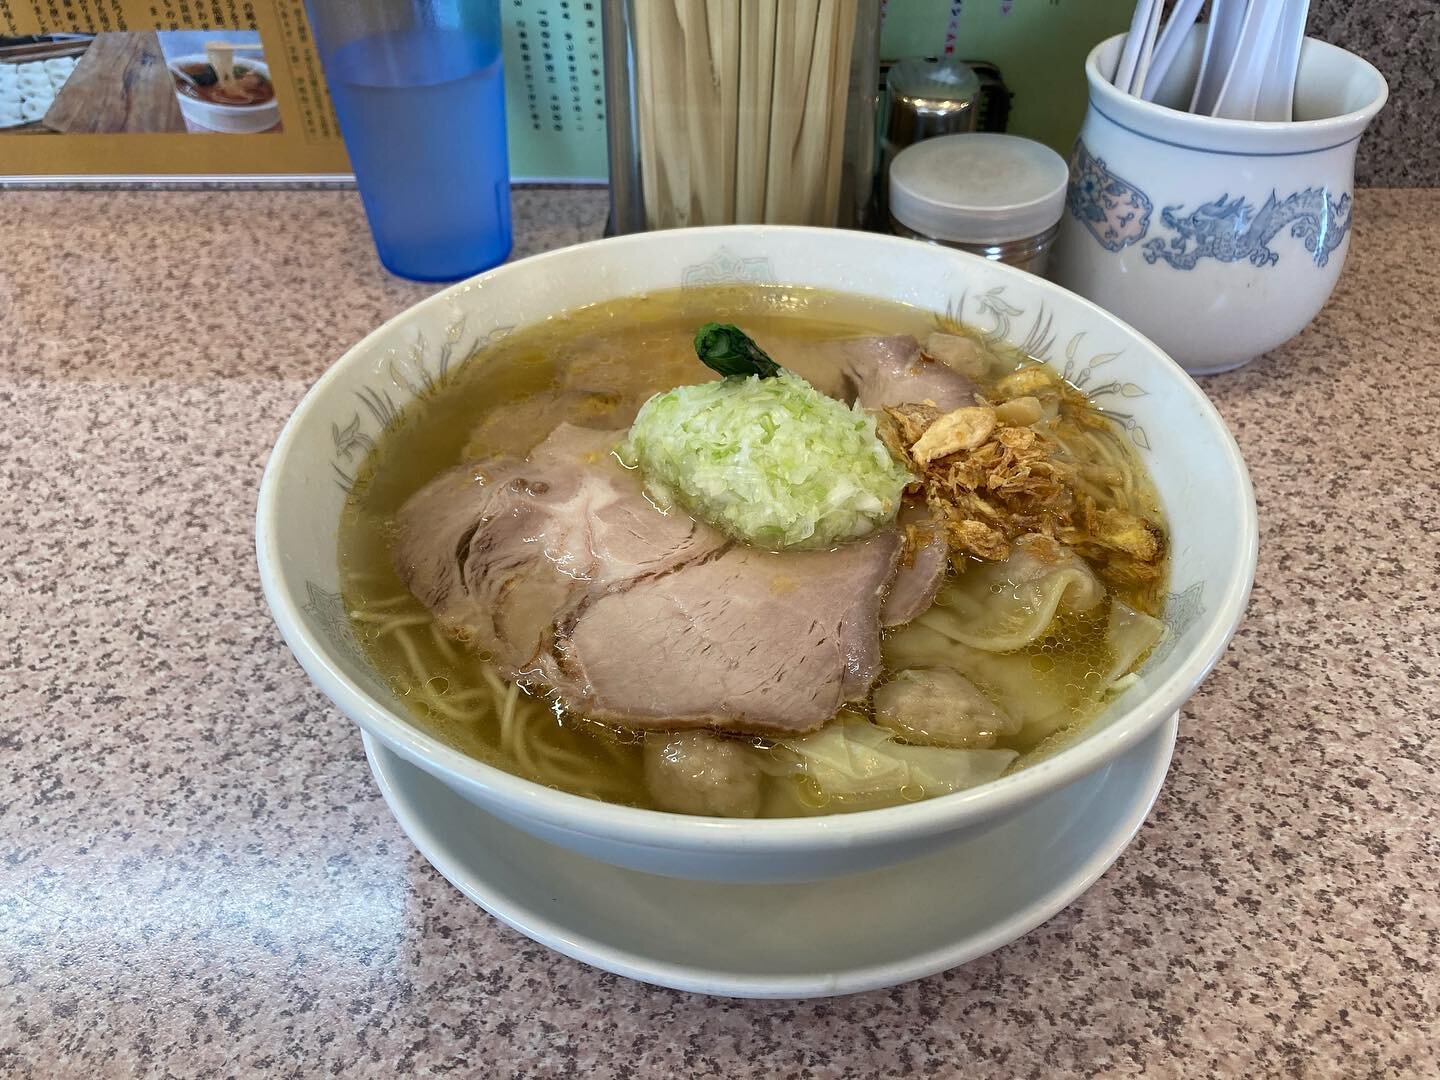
(151, 82)
(222, 82)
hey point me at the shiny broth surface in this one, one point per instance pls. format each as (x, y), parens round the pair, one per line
(595, 367)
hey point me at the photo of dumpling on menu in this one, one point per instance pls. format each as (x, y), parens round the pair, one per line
(32, 72)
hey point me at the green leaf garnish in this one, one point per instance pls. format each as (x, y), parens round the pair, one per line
(730, 351)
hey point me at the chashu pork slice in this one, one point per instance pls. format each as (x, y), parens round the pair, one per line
(561, 569)
(921, 570)
(749, 641)
(505, 547)
(876, 371)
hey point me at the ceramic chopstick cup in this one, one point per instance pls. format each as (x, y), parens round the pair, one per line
(1218, 239)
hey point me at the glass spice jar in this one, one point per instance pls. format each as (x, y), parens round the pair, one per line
(997, 196)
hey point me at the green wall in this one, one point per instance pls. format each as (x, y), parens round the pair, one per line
(1039, 46)
(554, 95)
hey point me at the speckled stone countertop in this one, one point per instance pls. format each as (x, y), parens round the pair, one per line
(199, 878)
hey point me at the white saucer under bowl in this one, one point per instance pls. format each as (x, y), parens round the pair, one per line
(786, 941)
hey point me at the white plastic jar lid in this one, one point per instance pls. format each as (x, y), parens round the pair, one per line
(978, 188)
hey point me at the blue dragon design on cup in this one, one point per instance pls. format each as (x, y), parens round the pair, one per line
(1117, 214)
(1231, 229)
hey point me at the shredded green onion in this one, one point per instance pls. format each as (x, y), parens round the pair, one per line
(771, 461)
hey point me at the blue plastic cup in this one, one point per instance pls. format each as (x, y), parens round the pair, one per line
(420, 95)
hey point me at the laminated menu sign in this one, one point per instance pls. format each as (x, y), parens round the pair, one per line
(121, 89)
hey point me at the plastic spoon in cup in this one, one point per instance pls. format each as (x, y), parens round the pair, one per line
(1241, 93)
(1277, 85)
(1221, 36)
(1134, 43)
(1147, 50)
(1177, 29)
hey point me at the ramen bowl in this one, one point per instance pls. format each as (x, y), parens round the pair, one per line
(1192, 458)
(226, 119)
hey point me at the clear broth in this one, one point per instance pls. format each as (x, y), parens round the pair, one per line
(596, 366)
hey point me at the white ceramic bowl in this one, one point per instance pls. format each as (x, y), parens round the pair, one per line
(1220, 239)
(228, 119)
(778, 940)
(1192, 457)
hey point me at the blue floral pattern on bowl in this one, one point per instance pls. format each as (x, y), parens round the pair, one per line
(328, 615)
(1182, 611)
(1040, 342)
(419, 371)
(726, 268)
